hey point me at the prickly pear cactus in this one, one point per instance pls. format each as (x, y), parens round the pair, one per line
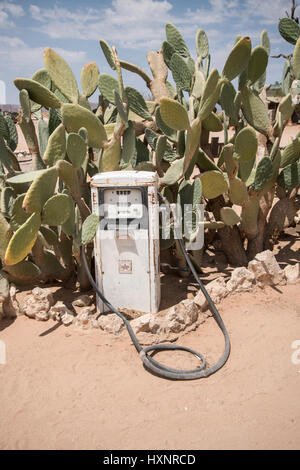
(45, 214)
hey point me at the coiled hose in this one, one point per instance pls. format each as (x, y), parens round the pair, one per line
(149, 362)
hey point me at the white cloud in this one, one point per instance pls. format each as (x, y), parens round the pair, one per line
(19, 57)
(269, 13)
(8, 9)
(132, 23)
(138, 24)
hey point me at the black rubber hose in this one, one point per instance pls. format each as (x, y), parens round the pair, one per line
(149, 362)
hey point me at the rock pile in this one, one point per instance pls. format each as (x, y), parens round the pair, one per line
(164, 326)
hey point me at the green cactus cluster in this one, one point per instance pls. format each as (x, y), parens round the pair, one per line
(45, 213)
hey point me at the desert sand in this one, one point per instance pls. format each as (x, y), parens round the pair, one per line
(68, 388)
(76, 389)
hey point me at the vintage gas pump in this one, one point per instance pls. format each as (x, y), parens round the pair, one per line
(126, 249)
(126, 245)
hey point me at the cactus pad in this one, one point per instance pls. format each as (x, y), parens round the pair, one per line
(291, 153)
(176, 40)
(289, 178)
(5, 234)
(174, 114)
(174, 172)
(68, 174)
(107, 51)
(107, 85)
(4, 156)
(227, 96)
(191, 193)
(263, 173)
(129, 149)
(38, 93)
(296, 60)
(258, 63)
(21, 182)
(167, 51)
(56, 147)
(23, 273)
(23, 240)
(238, 193)
(61, 74)
(12, 132)
(255, 111)
(170, 133)
(137, 103)
(110, 159)
(69, 226)
(202, 46)
(120, 106)
(76, 149)
(89, 228)
(6, 200)
(40, 190)
(210, 94)
(246, 144)
(43, 136)
(289, 30)
(286, 107)
(192, 142)
(229, 216)
(74, 117)
(89, 78)
(212, 123)
(56, 210)
(18, 215)
(180, 71)
(213, 184)
(199, 84)
(42, 77)
(238, 59)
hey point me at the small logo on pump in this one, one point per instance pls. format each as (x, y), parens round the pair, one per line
(125, 266)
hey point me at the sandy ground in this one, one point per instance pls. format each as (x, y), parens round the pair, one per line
(66, 388)
(73, 389)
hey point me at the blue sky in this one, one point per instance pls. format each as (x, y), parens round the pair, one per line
(73, 28)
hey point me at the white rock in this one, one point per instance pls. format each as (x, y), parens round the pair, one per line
(58, 310)
(292, 273)
(260, 272)
(154, 323)
(38, 303)
(184, 315)
(87, 310)
(268, 258)
(94, 323)
(111, 323)
(177, 318)
(201, 301)
(67, 319)
(82, 319)
(43, 294)
(82, 301)
(266, 269)
(216, 289)
(42, 315)
(241, 280)
(141, 324)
